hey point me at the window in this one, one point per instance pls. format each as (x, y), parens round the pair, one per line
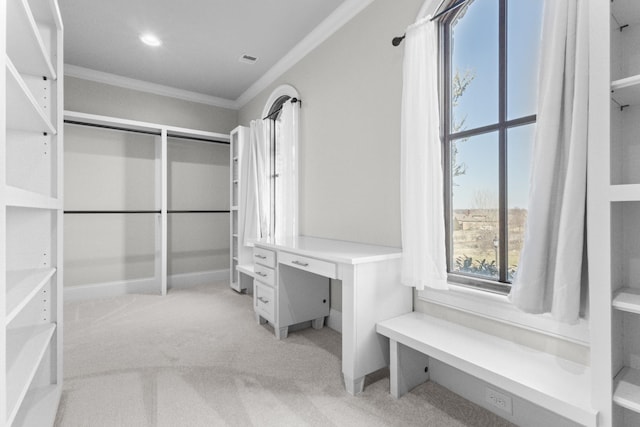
(489, 56)
(281, 123)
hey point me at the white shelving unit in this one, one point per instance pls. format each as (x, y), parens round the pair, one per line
(241, 261)
(614, 210)
(31, 219)
(158, 280)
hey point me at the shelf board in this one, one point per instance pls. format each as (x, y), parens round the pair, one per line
(627, 299)
(22, 286)
(625, 12)
(624, 193)
(24, 43)
(40, 406)
(25, 349)
(24, 113)
(17, 197)
(626, 91)
(627, 389)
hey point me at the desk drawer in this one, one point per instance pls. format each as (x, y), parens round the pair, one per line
(264, 257)
(323, 268)
(265, 275)
(265, 301)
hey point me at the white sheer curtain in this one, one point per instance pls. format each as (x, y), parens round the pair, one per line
(422, 205)
(254, 204)
(286, 205)
(549, 274)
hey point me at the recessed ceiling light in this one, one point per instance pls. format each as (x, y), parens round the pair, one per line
(150, 39)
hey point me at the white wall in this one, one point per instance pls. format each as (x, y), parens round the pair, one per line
(350, 126)
(108, 170)
(99, 98)
(198, 180)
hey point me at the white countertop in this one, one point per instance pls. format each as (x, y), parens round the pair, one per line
(338, 251)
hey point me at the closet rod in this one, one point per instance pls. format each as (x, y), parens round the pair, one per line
(275, 113)
(96, 125)
(195, 138)
(110, 212)
(397, 40)
(196, 211)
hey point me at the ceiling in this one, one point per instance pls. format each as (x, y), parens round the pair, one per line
(202, 39)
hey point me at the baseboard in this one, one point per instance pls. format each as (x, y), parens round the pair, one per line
(524, 413)
(334, 321)
(111, 289)
(142, 286)
(186, 280)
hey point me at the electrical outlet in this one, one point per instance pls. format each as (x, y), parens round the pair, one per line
(499, 400)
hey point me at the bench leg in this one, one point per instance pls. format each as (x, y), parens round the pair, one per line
(354, 385)
(408, 368)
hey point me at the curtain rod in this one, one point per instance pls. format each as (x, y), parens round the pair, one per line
(397, 40)
(275, 113)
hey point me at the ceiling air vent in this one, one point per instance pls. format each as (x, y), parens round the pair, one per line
(248, 59)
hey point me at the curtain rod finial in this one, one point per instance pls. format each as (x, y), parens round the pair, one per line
(397, 40)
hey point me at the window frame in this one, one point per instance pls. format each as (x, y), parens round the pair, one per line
(501, 285)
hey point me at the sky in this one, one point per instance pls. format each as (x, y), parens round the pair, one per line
(475, 48)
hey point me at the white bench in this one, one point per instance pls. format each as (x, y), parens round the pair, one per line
(559, 385)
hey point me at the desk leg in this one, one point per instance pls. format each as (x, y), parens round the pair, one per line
(259, 319)
(354, 385)
(281, 333)
(317, 323)
(370, 292)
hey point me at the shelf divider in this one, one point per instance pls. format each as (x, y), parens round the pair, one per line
(25, 349)
(17, 197)
(24, 43)
(627, 389)
(40, 406)
(25, 113)
(22, 286)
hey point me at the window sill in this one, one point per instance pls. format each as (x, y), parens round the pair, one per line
(498, 307)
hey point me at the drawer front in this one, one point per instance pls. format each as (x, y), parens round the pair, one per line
(264, 257)
(265, 275)
(265, 301)
(323, 268)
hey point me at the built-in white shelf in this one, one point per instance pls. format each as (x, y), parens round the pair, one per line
(25, 112)
(626, 91)
(26, 347)
(17, 197)
(25, 46)
(625, 12)
(22, 286)
(39, 407)
(627, 299)
(624, 193)
(627, 389)
(248, 269)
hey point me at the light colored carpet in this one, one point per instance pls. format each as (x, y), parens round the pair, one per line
(198, 358)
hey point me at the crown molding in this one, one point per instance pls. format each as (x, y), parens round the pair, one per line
(343, 14)
(140, 85)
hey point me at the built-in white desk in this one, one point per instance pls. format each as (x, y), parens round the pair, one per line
(371, 292)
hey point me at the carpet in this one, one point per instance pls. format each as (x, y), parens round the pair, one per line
(196, 357)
